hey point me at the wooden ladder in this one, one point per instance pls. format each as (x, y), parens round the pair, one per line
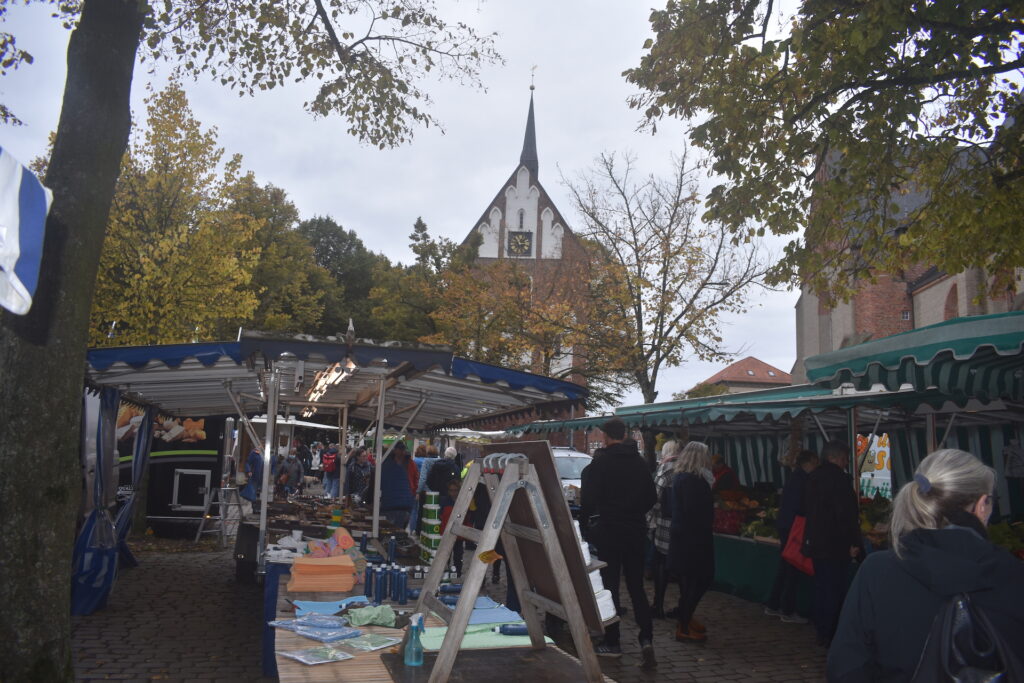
(224, 499)
(517, 475)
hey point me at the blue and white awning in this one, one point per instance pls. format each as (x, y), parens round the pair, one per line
(24, 204)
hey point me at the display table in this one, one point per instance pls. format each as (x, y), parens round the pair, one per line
(370, 667)
(746, 568)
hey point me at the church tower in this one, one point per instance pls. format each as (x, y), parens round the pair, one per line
(522, 222)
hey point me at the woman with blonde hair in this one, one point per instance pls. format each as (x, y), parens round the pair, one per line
(691, 556)
(940, 549)
(659, 523)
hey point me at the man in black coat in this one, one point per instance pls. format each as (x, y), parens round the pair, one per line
(617, 488)
(832, 535)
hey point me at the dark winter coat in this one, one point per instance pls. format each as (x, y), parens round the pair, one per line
(691, 549)
(792, 501)
(395, 492)
(618, 487)
(833, 521)
(891, 605)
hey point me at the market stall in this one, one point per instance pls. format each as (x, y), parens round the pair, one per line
(409, 388)
(958, 384)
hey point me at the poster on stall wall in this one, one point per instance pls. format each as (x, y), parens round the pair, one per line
(876, 472)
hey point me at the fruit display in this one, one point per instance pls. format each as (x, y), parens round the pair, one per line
(874, 520)
(1009, 536)
(746, 512)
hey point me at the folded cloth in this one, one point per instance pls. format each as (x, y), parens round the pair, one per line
(484, 602)
(495, 615)
(381, 615)
(477, 637)
(326, 606)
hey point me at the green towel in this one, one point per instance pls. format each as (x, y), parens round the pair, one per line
(377, 616)
(480, 637)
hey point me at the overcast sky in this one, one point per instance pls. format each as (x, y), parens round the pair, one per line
(579, 48)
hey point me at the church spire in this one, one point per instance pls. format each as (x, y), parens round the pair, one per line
(529, 156)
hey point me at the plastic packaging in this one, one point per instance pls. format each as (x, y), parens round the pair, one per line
(328, 635)
(370, 641)
(317, 655)
(413, 646)
(512, 630)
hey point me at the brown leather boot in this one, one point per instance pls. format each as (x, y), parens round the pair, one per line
(696, 626)
(684, 635)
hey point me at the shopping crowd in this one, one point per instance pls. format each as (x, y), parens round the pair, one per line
(943, 603)
(890, 624)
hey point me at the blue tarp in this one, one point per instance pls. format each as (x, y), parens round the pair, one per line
(171, 355)
(490, 374)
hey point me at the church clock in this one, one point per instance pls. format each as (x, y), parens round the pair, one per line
(520, 243)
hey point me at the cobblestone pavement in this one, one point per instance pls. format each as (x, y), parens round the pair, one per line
(182, 617)
(742, 645)
(176, 617)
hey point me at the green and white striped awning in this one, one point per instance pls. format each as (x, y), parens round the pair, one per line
(548, 426)
(976, 357)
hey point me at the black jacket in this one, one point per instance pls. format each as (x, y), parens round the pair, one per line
(691, 548)
(792, 501)
(618, 487)
(893, 601)
(833, 521)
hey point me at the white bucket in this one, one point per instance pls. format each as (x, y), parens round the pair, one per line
(605, 606)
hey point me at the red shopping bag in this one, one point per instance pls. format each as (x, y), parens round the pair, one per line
(791, 553)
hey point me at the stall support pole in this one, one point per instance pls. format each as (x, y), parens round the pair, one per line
(851, 422)
(385, 456)
(949, 428)
(343, 443)
(242, 416)
(378, 449)
(929, 432)
(268, 448)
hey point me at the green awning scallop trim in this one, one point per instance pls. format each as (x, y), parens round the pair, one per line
(976, 357)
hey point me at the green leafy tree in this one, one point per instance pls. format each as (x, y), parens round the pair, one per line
(368, 58)
(890, 132)
(350, 267)
(405, 297)
(288, 284)
(178, 256)
(554, 325)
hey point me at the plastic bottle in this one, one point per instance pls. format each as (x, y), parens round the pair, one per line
(450, 588)
(363, 542)
(395, 574)
(391, 548)
(379, 588)
(413, 647)
(512, 630)
(403, 587)
(368, 580)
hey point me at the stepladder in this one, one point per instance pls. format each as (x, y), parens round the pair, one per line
(229, 514)
(509, 479)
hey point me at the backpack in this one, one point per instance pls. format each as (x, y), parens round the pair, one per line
(440, 474)
(329, 461)
(964, 647)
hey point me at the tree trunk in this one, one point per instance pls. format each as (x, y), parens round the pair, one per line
(42, 354)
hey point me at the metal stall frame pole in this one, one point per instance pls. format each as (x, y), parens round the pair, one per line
(343, 443)
(253, 436)
(851, 426)
(929, 433)
(268, 444)
(401, 435)
(949, 428)
(378, 449)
